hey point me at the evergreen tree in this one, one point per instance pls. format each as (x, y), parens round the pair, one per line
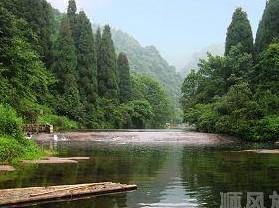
(267, 71)
(239, 32)
(64, 68)
(72, 8)
(23, 77)
(107, 79)
(38, 15)
(73, 20)
(98, 41)
(123, 70)
(269, 26)
(86, 60)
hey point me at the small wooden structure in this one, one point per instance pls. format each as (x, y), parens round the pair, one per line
(21, 196)
(38, 128)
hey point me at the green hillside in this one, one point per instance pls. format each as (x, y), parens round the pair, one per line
(147, 60)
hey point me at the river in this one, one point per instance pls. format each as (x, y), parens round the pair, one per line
(169, 175)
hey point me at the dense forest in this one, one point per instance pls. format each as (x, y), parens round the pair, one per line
(54, 69)
(237, 93)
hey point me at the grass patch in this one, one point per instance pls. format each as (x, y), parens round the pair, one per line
(13, 146)
(13, 150)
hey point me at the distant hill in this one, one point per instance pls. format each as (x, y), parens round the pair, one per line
(143, 60)
(192, 63)
(147, 60)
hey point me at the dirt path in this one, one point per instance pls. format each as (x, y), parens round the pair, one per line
(149, 136)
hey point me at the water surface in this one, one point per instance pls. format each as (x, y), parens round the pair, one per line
(167, 175)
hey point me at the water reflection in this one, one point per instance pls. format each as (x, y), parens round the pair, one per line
(167, 175)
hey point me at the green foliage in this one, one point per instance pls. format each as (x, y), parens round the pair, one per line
(54, 69)
(22, 74)
(123, 70)
(206, 84)
(268, 30)
(215, 77)
(86, 60)
(149, 89)
(267, 70)
(73, 19)
(64, 57)
(104, 117)
(98, 40)
(12, 144)
(247, 103)
(12, 150)
(134, 114)
(107, 77)
(29, 111)
(203, 116)
(10, 124)
(235, 94)
(238, 112)
(268, 128)
(59, 122)
(64, 68)
(239, 32)
(38, 16)
(268, 101)
(72, 8)
(140, 114)
(239, 67)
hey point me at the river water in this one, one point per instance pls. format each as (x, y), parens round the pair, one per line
(167, 174)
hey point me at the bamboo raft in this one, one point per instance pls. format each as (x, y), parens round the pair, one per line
(10, 197)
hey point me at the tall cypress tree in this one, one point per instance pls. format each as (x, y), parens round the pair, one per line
(269, 26)
(98, 41)
(239, 32)
(72, 8)
(73, 20)
(107, 78)
(64, 68)
(123, 70)
(86, 60)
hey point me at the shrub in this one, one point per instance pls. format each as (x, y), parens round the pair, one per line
(10, 124)
(141, 113)
(11, 149)
(59, 122)
(268, 128)
(207, 119)
(202, 116)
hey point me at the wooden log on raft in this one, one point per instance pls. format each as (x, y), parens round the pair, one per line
(10, 197)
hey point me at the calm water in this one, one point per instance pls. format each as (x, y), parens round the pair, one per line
(169, 175)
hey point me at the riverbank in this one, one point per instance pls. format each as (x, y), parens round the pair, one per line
(147, 136)
(12, 150)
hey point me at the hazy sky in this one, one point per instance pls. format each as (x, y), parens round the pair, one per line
(177, 28)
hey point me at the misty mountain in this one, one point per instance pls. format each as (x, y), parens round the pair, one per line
(193, 60)
(147, 60)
